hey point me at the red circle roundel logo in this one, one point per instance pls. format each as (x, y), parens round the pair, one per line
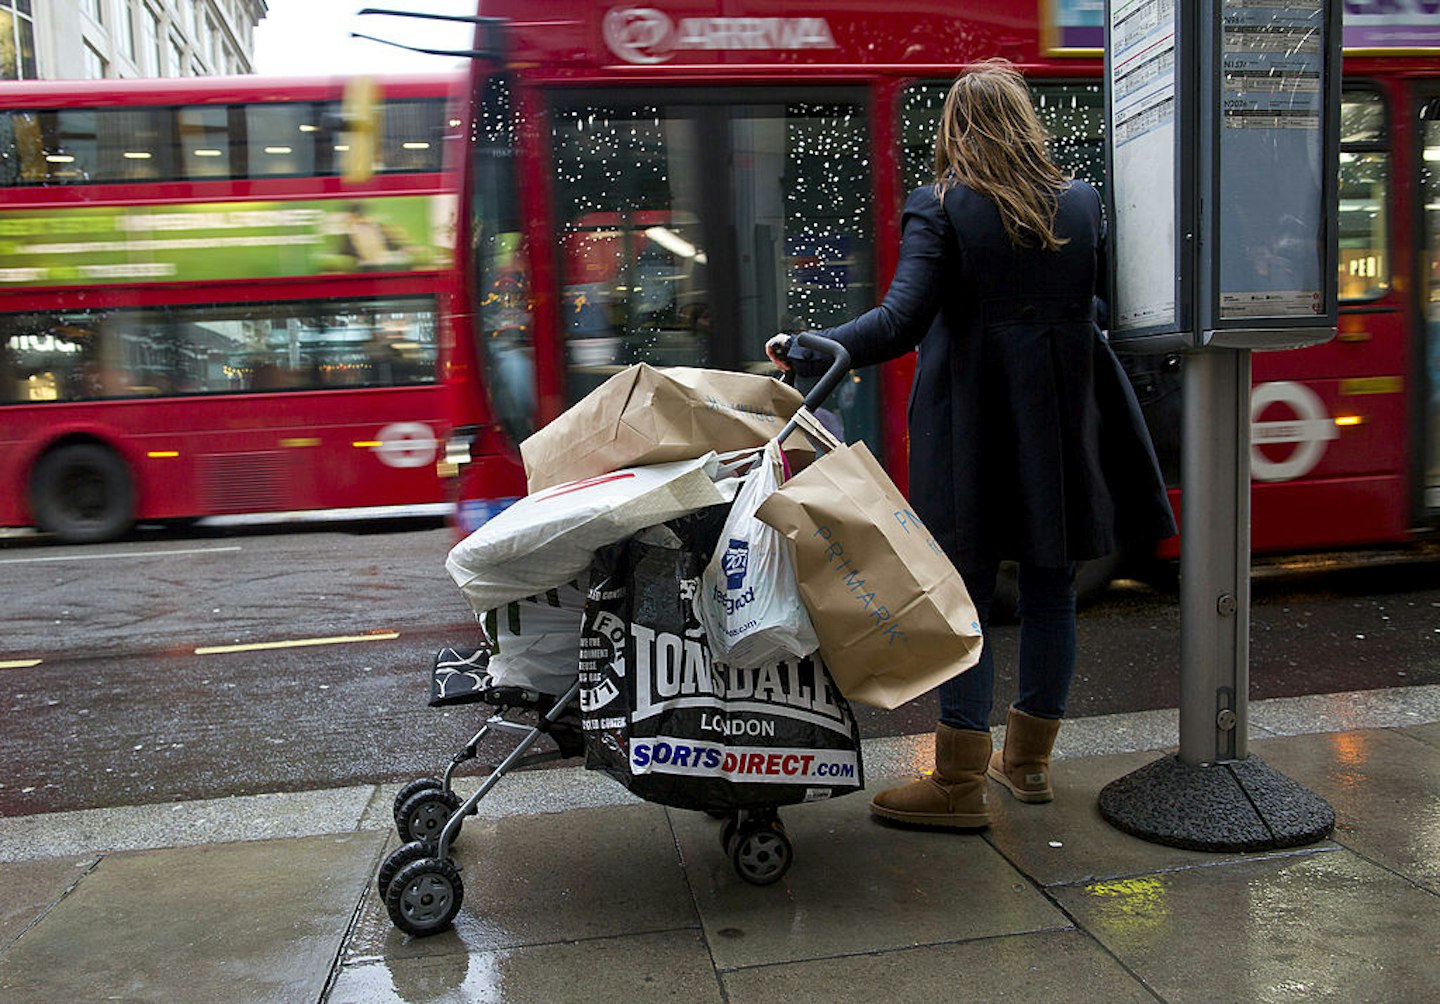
(639, 34)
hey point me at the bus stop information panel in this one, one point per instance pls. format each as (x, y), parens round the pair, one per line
(1234, 102)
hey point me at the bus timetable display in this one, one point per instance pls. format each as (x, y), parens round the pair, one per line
(1222, 114)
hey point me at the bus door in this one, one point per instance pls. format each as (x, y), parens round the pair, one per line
(1428, 368)
(695, 222)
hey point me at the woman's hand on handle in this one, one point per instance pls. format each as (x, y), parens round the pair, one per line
(777, 348)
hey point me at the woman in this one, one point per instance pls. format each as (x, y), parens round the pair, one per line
(1026, 442)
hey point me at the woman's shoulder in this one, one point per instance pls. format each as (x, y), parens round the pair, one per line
(922, 197)
(1079, 188)
(924, 202)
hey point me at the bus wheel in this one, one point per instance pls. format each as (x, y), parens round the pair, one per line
(82, 494)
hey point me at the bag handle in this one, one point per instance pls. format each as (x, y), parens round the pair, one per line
(735, 462)
(809, 425)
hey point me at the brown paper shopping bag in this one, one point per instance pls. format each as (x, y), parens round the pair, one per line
(643, 415)
(891, 612)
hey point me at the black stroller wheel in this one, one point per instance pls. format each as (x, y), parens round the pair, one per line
(414, 788)
(761, 852)
(397, 859)
(425, 814)
(425, 896)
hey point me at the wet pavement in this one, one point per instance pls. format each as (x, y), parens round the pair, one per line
(574, 890)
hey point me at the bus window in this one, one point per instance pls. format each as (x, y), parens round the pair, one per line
(1430, 203)
(504, 333)
(693, 230)
(20, 157)
(81, 355)
(69, 146)
(204, 141)
(1364, 196)
(135, 145)
(413, 135)
(280, 139)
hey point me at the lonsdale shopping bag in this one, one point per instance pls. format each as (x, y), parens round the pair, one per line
(677, 726)
(892, 614)
(645, 415)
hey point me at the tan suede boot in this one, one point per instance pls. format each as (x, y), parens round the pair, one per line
(954, 795)
(1023, 765)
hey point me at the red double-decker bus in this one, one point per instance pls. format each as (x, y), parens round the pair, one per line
(675, 182)
(201, 314)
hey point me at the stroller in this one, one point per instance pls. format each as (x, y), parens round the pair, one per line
(420, 882)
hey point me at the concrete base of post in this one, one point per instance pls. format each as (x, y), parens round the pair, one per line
(1245, 805)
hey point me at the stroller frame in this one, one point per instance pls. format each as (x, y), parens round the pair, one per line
(419, 881)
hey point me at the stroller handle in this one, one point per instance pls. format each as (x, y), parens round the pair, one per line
(839, 366)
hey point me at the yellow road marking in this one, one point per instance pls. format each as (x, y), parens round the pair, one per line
(261, 646)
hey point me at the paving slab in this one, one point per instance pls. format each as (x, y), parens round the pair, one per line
(1067, 841)
(1051, 966)
(637, 969)
(183, 824)
(856, 885)
(1356, 709)
(257, 921)
(32, 888)
(546, 879)
(1321, 926)
(1383, 786)
(1428, 734)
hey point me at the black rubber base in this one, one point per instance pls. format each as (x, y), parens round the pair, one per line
(1242, 806)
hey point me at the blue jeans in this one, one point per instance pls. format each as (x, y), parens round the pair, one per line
(1047, 648)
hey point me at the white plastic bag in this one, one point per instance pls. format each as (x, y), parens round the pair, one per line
(748, 601)
(535, 642)
(547, 539)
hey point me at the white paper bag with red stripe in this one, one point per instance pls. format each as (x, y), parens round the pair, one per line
(547, 539)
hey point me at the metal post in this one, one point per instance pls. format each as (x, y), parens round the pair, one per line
(1215, 559)
(1213, 795)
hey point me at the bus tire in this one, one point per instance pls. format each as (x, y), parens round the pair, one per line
(82, 494)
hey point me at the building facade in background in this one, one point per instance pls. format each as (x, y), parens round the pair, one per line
(90, 39)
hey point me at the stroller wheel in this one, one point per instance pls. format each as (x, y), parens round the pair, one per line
(761, 852)
(414, 788)
(425, 814)
(425, 896)
(399, 858)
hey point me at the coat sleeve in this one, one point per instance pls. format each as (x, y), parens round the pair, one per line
(904, 316)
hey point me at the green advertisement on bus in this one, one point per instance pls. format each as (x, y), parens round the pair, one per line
(202, 242)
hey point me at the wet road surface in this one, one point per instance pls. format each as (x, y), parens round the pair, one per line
(133, 699)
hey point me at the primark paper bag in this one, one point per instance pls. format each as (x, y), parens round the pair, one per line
(892, 614)
(645, 415)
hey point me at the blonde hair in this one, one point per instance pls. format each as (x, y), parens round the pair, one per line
(991, 140)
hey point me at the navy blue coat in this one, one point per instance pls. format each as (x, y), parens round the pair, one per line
(1026, 441)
